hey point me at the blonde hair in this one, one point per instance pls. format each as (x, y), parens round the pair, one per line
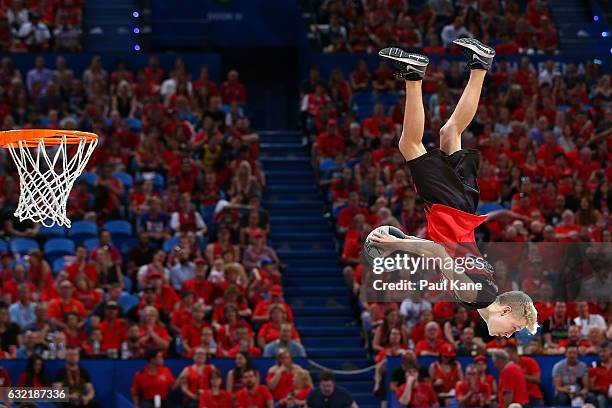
(522, 308)
(304, 376)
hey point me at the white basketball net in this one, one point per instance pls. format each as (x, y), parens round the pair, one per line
(46, 181)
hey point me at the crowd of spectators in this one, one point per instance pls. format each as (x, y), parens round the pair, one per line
(365, 26)
(544, 137)
(198, 279)
(35, 26)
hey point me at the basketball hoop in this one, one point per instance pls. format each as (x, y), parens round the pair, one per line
(46, 172)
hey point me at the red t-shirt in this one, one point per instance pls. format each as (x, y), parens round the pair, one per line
(531, 367)
(192, 333)
(423, 345)
(478, 398)
(257, 398)
(601, 376)
(147, 385)
(58, 309)
(113, 334)
(423, 395)
(284, 386)
(512, 379)
(221, 400)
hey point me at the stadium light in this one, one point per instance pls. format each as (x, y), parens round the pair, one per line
(604, 34)
(596, 18)
(136, 14)
(136, 30)
(136, 47)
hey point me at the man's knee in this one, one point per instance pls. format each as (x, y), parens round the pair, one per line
(449, 132)
(410, 149)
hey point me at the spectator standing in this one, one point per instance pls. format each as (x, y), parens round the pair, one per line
(154, 381)
(81, 391)
(532, 373)
(512, 383)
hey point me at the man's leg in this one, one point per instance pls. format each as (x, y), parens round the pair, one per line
(450, 133)
(411, 144)
(412, 68)
(480, 58)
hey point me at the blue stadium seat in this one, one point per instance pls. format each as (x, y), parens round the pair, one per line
(91, 243)
(58, 265)
(127, 302)
(82, 230)
(3, 246)
(23, 245)
(54, 231)
(134, 124)
(158, 182)
(127, 284)
(170, 243)
(125, 178)
(90, 178)
(57, 248)
(120, 230)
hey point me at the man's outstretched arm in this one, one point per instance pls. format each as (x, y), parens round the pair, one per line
(428, 249)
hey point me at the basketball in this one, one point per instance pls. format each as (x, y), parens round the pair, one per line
(371, 250)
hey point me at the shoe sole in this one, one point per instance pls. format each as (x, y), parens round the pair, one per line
(476, 46)
(397, 54)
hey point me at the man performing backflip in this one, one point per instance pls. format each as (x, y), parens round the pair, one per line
(445, 178)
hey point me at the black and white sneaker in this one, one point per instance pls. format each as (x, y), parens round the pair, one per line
(479, 56)
(411, 67)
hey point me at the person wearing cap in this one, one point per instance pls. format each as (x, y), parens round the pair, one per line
(330, 142)
(483, 373)
(65, 303)
(445, 372)
(165, 295)
(261, 313)
(471, 391)
(198, 285)
(114, 329)
(512, 383)
(270, 330)
(257, 250)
